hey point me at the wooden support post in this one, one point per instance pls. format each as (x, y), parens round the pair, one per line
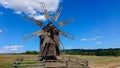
(43, 65)
(14, 64)
(86, 62)
(66, 63)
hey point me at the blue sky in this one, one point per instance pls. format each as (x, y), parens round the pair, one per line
(96, 25)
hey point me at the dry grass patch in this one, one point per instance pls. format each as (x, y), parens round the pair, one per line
(100, 61)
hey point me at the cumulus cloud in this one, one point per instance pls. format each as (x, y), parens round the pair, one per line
(91, 39)
(18, 12)
(30, 7)
(96, 37)
(83, 39)
(12, 48)
(3, 51)
(98, 42)
(37, 17)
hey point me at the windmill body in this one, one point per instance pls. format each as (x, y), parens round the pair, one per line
(49, 35)
(49, 45)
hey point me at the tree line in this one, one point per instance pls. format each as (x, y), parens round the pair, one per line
(96, 52)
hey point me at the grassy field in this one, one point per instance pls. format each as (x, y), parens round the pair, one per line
(94, 61)
(101, 61)
(7, 60)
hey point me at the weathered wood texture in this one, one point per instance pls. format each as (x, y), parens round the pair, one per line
(49, 45)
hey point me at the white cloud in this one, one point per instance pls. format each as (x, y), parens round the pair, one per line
(3, 51)
(83, 39)
(91, 39)
(96, 37)
(14, 47)
(9, 49)
(98, 42)
(38, 17)
(17, 12)
(30, 7)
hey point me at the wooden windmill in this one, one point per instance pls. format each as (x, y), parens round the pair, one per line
(49, 35)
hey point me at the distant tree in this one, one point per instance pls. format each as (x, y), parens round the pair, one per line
(31, 52)
(97, 52)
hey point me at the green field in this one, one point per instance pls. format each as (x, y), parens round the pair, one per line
(94, 61)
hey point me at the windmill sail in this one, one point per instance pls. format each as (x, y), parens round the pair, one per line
(43, 8)
(61, 45)
(28, 37)
(62, 23)
(40, 32)
(33, 20)
(57, 14)
(66, 35)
